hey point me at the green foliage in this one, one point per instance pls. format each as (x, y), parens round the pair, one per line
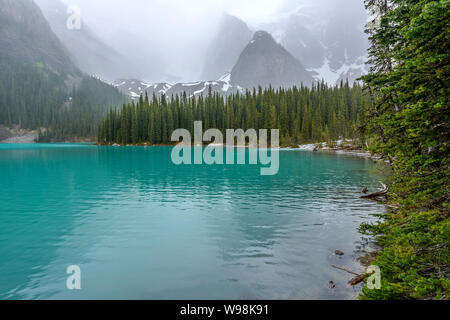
(29, 94)
(83, 110)
(321, 113)
(33, 96)
(408, 123)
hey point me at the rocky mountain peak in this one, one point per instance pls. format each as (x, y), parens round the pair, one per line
(266, 63)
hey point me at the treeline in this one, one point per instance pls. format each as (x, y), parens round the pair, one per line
(80, 114)
(320, 113)
(409, 124)
(35, 97)
(30, 94)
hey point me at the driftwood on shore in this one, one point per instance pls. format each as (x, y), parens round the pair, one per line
(380, 193)
(358, 279)
(354, 281)
(344, 269)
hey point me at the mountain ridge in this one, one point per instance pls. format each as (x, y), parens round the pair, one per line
(222, 54)
(26, 37)
(135, 88)
(264, 62)
(335, 48)
(91, 54)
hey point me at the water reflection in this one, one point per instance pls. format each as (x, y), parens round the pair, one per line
(142, 228)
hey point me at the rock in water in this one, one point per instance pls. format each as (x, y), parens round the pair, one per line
(331, 285)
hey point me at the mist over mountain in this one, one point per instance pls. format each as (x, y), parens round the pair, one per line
(26, 38)
(185, 41)
(44, 64)
(155, 42)
(40, 83)
(232, 37)
(90, 53)
(328, 39)
(266, 63)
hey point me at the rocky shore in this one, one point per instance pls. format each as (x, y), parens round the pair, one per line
(345, 146)
(17, 135)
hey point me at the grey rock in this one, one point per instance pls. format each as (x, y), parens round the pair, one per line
(266, 63)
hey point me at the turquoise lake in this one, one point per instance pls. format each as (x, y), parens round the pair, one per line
(140, 227)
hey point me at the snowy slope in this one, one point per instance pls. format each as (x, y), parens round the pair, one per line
(333, 46)
(134, 88)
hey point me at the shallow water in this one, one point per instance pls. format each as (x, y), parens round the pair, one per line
(140, 227)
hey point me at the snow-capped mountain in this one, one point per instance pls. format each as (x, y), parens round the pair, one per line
(266, 63)
(263, 62)
(331, 47)
(135, 88)
(334, 47)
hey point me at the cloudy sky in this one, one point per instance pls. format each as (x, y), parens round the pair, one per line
(177, 33)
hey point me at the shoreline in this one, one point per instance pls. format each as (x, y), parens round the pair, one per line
(364, 258)
(342, 147)
(16, 135)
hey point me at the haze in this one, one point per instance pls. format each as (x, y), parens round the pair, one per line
(169, 38)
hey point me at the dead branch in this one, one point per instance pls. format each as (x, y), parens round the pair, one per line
(381, 193)
(353, 282)
(345, 269)
(358, 279)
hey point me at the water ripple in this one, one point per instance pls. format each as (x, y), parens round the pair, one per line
(140, 227)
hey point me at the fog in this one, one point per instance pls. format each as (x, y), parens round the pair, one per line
(169, 38)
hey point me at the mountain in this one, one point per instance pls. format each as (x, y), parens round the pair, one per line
(90, 54)
(299, 33)
(224, 51)
(40, 85)
(333, 46)
(266, 63)
(36, 69)
(135, 88)
(26, 38)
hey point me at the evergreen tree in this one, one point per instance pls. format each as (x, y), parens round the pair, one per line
(302, 115)
(407, 121)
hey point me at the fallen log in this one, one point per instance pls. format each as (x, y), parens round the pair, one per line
(354, 281)
(358, 279)
(344, 269)
(381, 193)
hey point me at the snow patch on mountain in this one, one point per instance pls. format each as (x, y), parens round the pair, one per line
(347, 70)
(135, 88)
(191, 84)
(226, 79)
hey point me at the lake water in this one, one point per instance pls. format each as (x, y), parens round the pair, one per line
(140, 227)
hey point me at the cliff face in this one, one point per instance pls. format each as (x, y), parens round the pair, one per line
(90, 54)
(266, 63)
(26, 38)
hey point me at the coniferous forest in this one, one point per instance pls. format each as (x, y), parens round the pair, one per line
(86, 105)
(408, 122)
(400, 111)
(33, 96)
(320, 113)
